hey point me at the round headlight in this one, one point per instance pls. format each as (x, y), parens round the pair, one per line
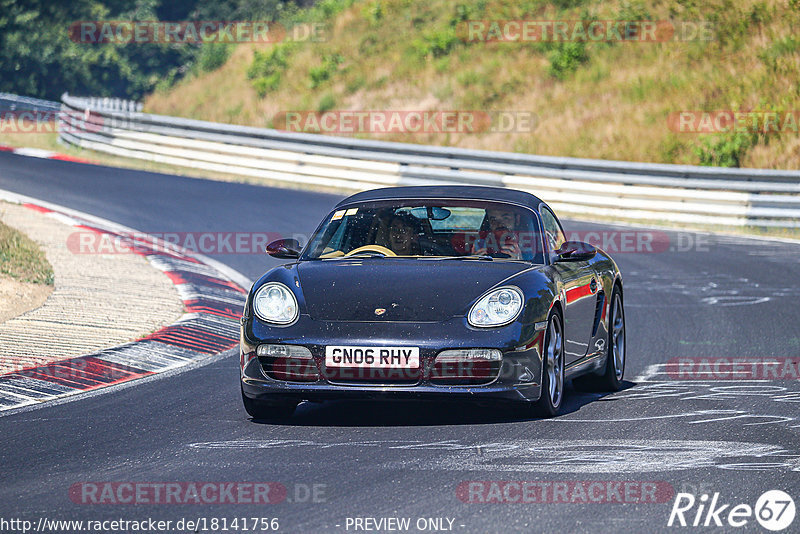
(275, 303)
(496, 308)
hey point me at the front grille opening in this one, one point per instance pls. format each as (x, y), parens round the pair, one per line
(289, 369)
(464, 373)
(290, 363)
(372, 376)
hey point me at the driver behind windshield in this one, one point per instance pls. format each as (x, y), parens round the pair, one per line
(403, 235)
(502, 231)
(498, 235)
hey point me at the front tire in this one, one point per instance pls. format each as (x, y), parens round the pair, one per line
(616, 355)
(268, 410)
(552, 397)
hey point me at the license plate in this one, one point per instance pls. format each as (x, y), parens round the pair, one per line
(376, 357)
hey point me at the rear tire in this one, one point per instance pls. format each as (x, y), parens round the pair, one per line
(614, 369)
(552, 397)
(268, 410)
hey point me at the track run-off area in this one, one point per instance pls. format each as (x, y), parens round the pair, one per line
(696, 303)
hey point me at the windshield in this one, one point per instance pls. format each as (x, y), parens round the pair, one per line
(429, 228)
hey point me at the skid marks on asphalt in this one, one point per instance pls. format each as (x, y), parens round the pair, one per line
(747, 403)
(548, 455)
(616, 456)
(706, 287)
(703, 405)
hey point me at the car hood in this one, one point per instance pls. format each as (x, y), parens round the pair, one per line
(407, 289)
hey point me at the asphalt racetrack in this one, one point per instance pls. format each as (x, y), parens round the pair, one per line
(701, 296)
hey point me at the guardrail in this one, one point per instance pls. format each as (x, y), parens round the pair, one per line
(9, 102)
(618, 189)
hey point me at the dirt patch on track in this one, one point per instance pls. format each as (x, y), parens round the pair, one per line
(18, 297)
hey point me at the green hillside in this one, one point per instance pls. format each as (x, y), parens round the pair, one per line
(590, 99)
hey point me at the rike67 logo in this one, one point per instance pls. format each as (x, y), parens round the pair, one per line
(774, 510)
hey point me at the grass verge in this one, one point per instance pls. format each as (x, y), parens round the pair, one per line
(22, 259)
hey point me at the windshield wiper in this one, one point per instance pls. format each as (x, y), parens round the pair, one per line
(366, 254)
(467, 257)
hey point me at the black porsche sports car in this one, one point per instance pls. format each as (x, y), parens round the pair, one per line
(458, 292)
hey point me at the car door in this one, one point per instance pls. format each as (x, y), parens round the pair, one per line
(580, 285)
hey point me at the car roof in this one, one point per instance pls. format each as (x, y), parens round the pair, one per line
(472, 192)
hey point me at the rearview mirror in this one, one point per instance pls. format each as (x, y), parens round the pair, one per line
(438, 213)
(284, 249)
(575, 251)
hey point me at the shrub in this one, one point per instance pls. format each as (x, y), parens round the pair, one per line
(213, 55)
(760, 13)
(373, 12)
(466, 11)
(567, 4)
(355, 84)
(633, 11)
(267, 67)
(267, 84)
(323, 72)
(324, 10)
(725, 151)
(566, 58)
(434, 44)
(773, 55)
(326, 103)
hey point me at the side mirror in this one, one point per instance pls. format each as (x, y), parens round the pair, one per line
(575, 251)
(284, 248)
